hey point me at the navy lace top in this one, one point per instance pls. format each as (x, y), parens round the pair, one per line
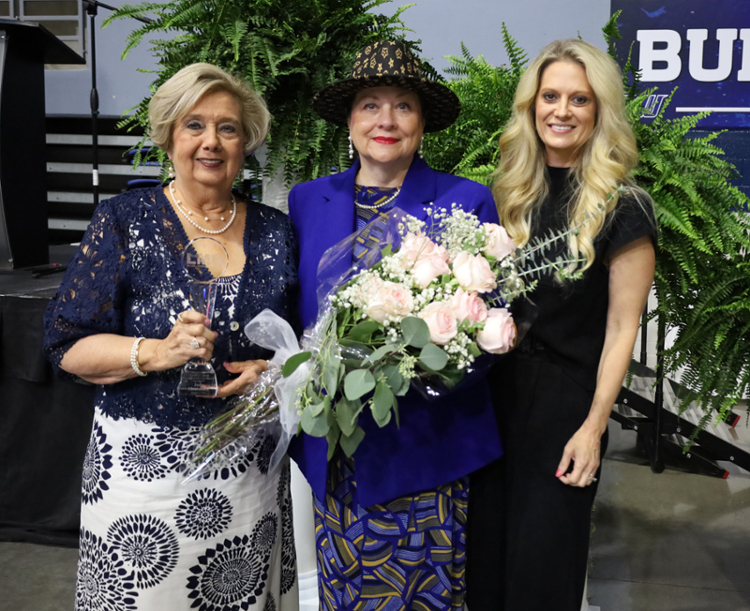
(127, 279)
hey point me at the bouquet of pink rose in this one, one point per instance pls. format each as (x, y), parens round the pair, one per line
(417, 317)
(429, 299)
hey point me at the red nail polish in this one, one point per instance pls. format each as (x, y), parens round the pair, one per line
(559, 473)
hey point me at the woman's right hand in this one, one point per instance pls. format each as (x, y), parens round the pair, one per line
(189, 338)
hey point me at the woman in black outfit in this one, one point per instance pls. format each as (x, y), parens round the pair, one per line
(566, 159)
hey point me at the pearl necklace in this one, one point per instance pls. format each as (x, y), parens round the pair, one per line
(381, 204)
(187, 213)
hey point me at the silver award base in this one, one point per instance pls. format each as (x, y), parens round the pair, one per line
(198, 379)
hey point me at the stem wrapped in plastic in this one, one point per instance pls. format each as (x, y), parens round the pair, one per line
(268, 406)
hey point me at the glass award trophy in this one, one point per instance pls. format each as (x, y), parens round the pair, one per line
(204, 260)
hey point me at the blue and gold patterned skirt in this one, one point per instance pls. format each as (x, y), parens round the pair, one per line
(407, 554)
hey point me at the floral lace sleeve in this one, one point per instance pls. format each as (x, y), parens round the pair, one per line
(89, 299)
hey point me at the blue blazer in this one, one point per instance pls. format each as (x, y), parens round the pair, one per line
(439, 440)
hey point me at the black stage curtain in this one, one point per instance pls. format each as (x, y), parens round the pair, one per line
(45, 423)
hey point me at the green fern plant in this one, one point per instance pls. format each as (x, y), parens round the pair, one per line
(703, 265)
(469, 147)
(286, 49)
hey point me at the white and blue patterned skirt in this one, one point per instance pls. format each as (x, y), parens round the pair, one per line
(150, 543)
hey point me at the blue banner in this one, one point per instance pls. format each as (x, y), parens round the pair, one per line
(700, 47)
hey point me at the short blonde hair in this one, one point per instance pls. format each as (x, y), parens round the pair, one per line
(602, 164)
(174, 99)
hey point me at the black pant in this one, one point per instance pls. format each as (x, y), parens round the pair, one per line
(528, 534)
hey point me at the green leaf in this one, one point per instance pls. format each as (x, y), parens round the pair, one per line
(393, 377)
(333, 438)
(383, 351)
(474, 349)
(358, 383)
(346, 414)
(332, 372)
(318, 408)
(382, 403)
(416, 332)
(294, 361)
(362, 332)
(433, 357)
(349, 443)
(405, 385)
(317, 426)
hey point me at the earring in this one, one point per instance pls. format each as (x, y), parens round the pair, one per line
(351, 148)
(170, 171)
(421, 148)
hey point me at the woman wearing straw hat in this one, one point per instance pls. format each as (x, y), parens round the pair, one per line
(390, 521)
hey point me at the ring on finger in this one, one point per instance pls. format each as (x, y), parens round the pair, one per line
(194, 344)
(179, 317)
(592, 479)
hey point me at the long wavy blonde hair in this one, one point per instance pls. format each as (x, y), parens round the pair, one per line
(603, 162)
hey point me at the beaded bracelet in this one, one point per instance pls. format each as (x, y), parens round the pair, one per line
(134, 357)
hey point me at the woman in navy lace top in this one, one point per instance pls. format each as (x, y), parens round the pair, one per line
(121, 319)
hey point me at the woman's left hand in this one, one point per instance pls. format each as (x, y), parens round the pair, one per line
(583, 449)
(249, 372)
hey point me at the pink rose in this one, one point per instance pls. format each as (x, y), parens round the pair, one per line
(499, 244)
(468, 306)
(417, 246)
(441, 321)
(499, 333)
(473, 272)
(426, 269)
(391, 299)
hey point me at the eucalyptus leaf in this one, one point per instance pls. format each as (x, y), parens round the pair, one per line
(433, 357)
(358, 383)
(382, 403)
(317, 426)
(404, 388)
(332, 372)
(294, 361)
(474, 349)
(393, 377)
(416, 332)
(349, 443)
(383, 351)
(346, 414)
(333, 438)
(362, 332)
(318, 408)
(385, 420)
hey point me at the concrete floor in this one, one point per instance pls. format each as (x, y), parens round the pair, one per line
(668, 542)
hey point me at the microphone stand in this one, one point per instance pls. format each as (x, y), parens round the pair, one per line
(92, 10)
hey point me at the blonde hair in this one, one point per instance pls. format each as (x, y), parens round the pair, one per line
(177, 96)
(603, 162)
